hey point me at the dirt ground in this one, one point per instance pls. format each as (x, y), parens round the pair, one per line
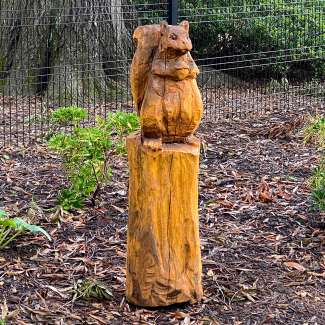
(263, 246)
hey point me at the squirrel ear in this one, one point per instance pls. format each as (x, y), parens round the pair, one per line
(186, 25)
(163, 27)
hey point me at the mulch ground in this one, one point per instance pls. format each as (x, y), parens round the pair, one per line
(262, 244)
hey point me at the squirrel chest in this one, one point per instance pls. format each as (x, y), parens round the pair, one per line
(173, 97)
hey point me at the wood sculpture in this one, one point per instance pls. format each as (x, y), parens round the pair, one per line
(163, 258)
(164, 88)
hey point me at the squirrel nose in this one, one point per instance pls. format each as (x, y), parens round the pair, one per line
(187, 45)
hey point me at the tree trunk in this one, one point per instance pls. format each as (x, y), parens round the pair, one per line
(68, 50)
(163, 258)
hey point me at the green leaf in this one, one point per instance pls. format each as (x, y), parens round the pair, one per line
(10, 223)
(65, 115)
(21, 224)
(84, 152)
(92, 289)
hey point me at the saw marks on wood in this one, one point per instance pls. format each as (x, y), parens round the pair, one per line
(163, 260)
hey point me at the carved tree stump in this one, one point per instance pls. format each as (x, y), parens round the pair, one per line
(163, 258)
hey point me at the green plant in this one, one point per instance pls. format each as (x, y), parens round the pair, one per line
(11, 228)
(85, 155)
(315, 132)
(91, 289)
(270, 38)
(86, 152)
(122, 124)
(65, 117)
(68, 115)
(318, 197)
(4, 312)
(317, 183)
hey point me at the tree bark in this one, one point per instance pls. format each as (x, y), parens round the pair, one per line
(63, 49)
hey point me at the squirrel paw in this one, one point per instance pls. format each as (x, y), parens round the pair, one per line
(152, 144)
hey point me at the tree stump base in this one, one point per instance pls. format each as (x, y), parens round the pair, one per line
(163, 257)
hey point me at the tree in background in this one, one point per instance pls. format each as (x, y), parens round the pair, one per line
(71, 49)
(79, 45)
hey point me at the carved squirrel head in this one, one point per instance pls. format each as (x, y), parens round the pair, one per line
(175, 39)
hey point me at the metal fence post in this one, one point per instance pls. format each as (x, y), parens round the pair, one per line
(172, 12)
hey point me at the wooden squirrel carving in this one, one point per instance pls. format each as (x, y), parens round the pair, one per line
(163, 82)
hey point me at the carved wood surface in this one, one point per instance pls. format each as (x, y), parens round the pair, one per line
(163, 258)
(164, 87)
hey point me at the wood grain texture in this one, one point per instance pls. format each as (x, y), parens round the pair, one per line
(163, 258)
(164, 87)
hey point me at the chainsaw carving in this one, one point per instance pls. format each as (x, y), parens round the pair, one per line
(163, 254)
(164, 88)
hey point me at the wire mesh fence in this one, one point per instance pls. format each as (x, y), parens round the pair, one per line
(255, 57)
(258, 56)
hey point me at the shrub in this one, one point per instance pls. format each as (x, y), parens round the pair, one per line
(67, 115)
(84, 155)
(315, 133)
(11, 228)
(86, 152)
(63, 117)
(123, 124)
(273, 39)
(270, 38)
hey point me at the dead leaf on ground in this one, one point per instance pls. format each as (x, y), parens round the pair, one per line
(264, 192)
(295, 265)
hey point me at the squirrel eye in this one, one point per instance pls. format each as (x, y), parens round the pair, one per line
(173, 36)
